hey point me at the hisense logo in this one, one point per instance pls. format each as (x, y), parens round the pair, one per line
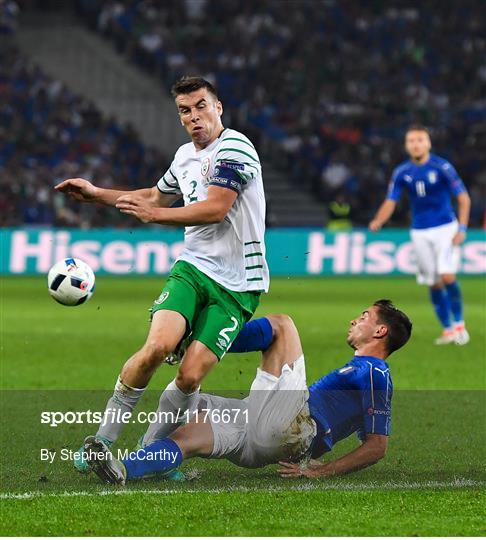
(354, 253)
(31, 251)
(36, 252)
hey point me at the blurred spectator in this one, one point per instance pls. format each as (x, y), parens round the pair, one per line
(9, 12)
(339, 214)
(325, 87)
(48, 134)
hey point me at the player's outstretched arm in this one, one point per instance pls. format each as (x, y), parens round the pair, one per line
(84, 191)
(370, 452)
(384, 213)
(212, 210)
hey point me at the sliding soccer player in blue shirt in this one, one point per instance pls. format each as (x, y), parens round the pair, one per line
(282, 420)
(431, 182)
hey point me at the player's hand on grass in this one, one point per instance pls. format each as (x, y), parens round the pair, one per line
(78, 188)
(459, 238)
(136, 206)
(313, 469)
(374, 225)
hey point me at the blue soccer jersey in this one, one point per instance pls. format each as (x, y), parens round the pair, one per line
(354, 398)
(429, 187)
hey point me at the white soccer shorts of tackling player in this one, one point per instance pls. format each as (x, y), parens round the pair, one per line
(435, 253)
(276, 426)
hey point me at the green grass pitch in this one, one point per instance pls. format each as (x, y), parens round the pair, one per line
(55, 358)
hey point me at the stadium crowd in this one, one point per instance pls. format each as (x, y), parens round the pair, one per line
(47, 134)
(332, 83)
(326, 87)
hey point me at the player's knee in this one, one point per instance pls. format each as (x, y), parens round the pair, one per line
(281, 325)
(188, 380)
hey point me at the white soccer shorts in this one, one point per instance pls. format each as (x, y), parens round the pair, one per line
(273, 424)
(435, 253)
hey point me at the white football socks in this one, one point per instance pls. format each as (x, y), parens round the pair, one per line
(123, 401)
(172, 411)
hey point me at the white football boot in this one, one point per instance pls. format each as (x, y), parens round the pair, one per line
(448, 336)
(461, 335)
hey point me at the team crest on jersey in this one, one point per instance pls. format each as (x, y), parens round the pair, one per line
(205, 166)
(432, 177)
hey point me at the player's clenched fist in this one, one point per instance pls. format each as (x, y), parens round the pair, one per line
(78, 188)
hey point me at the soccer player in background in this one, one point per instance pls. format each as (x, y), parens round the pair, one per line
(436, 233)
(285, 421)
(215, 285)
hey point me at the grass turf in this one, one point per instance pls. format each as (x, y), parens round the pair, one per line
(58, 358)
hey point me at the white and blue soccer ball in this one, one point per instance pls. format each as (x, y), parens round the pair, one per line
(71, 282)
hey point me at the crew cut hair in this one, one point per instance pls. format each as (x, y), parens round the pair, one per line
(417, 127)
(186, 85)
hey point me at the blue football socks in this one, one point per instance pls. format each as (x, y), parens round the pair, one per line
(455, 300)
(158, 457)
(440, 301)
(256, 335)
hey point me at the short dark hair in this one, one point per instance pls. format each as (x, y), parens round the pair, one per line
(186, 85)
(398, 324)
(417, 127)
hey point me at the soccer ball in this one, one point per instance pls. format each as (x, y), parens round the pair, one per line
(71, 282)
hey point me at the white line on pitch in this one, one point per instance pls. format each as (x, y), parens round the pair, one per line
(387, 486)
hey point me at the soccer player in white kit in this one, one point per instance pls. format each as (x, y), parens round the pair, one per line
(215, 285)
(436, 233)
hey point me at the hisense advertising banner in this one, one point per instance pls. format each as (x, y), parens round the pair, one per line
(290, 252)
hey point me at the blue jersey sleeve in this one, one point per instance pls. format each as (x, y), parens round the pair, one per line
(395, 186)
(376, 403)
(453, 180)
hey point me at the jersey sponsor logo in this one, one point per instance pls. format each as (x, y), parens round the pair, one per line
(382, 371)
(346, 370)
(163, 297)
(372, 411)
(432, 176)
(407, 178)
(205, 166)
(222, 344)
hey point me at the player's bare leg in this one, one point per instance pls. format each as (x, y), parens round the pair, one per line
(286, 347)
(182, 394)
(166, 331)
(461, 335)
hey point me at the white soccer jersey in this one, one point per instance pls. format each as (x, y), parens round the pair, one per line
(232, 252)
